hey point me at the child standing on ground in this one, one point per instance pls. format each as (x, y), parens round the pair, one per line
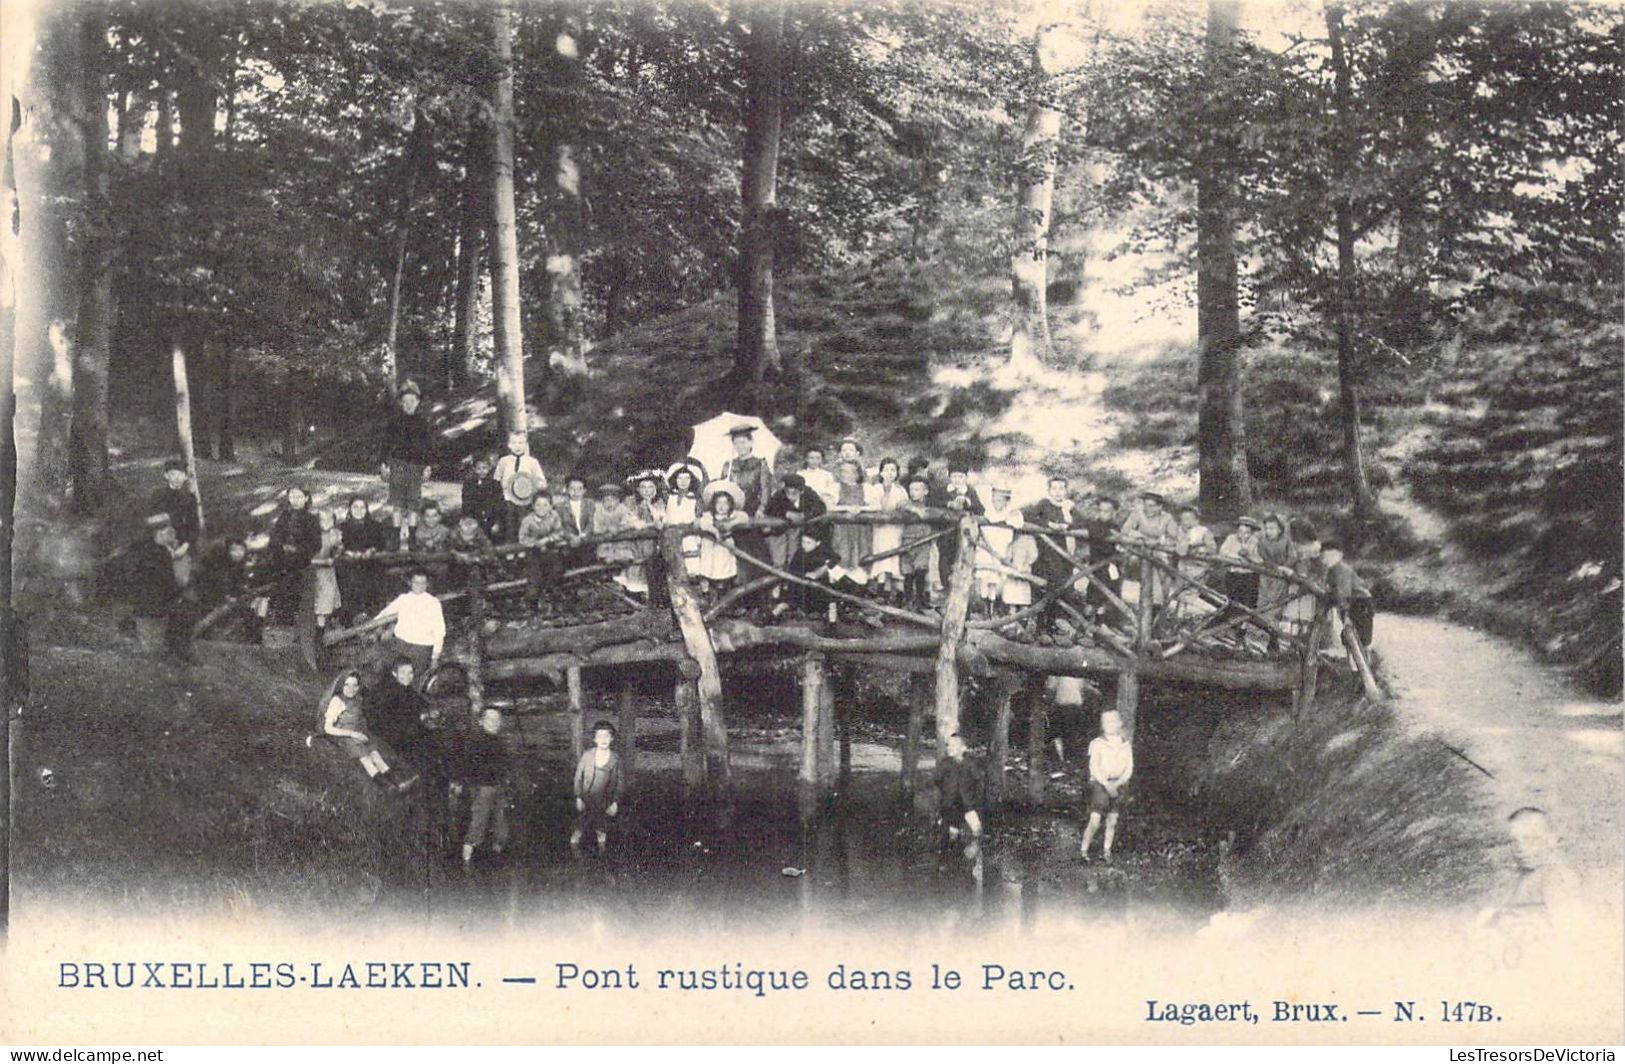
(483, 769)
(1111, 765)
(598, 785)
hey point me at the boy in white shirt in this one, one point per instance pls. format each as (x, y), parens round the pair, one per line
(522, 480)
(420, 625)
(1111, 765)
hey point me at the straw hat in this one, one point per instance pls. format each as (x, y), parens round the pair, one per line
(1246, 521)
(723, 487)
(694, 467)
(523, 487)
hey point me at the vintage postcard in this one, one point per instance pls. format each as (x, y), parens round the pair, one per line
(812, 521)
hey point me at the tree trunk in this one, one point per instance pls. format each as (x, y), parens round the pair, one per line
(1348, 396)
(567, 235)
(164, 144)
(1029, 266)
(510, 345)
(1411, 62)
(757, 356)
(48, 153)
(192, 327)
(88, 461)
(183, 428)
(1225, 487)
(413, 158)
(464, 361)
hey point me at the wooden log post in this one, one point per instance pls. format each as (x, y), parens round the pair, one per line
(842, 698)
(1037, 727)
(954, 608)
(685, 607)
(813, 679)
(919, 700)
(572, 687)
(690, 747)
(998, 747)
(826, 735)
(1309, 678)
(476, 652)
(628, 726)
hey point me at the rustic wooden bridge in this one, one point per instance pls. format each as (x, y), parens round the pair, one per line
(1181, 627)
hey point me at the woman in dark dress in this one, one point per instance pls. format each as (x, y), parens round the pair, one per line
(295, 539)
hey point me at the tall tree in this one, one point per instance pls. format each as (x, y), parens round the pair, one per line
(88, 459)
(757, 355)
(1224, 486)
(1029, 262)
(510, 344)
(414, 158)
(464, 357)
(47, 156)
(1345, 292)
(567, 235)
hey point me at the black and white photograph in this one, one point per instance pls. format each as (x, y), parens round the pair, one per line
(812, 521)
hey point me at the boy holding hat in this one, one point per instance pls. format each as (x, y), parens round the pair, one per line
(520, 475)
(408, 450)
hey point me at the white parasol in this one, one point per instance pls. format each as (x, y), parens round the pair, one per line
(712, 447)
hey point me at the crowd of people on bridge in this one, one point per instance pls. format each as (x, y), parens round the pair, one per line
(1088, 541)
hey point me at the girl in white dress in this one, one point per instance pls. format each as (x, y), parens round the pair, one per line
(887, 495)
(683, 508)
(718, 566)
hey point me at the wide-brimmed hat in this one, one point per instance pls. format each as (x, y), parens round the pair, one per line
(723, 487)
(654, 476)
(741, 430)
(522, 487)
(1246, 521)
(1151, 496)
(853, 440)
(611, 489)
(692, 465)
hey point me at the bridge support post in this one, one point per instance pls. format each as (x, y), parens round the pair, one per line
(1037, 726)
(627, 698)
(691, 750)
(1128, 699)
(707, 686)
(813, 679)
(954, 608)
(826, 735)
(998, 747)
(572, 686)
(919, 699)
(1309, 674)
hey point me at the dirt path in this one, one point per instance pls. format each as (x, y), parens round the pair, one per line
(1545, 742)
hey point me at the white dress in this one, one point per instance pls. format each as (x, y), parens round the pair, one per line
(992, 550)
(681, 510)
(883, 498)
(715, 561)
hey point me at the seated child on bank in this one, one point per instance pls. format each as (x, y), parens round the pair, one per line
(598, 784)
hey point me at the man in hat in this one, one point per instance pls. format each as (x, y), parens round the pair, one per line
(1349, 594)
(796, 503)
(750, 471)
(520, 475)
(176, 501)
(408, 450)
